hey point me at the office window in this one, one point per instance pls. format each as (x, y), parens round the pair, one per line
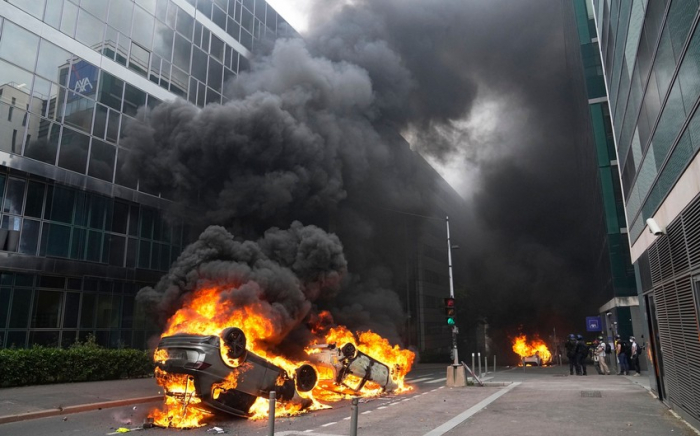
(13, 37)
(74, 151)
(47, 309)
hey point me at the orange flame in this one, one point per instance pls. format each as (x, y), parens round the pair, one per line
(205, 313)
(536, 346)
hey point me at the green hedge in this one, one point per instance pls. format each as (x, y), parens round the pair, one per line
(81, 362)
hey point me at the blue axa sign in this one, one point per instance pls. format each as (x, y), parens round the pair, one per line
(82, 79)
(593, 324)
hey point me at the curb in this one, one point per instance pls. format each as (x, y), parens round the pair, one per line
(76, 409)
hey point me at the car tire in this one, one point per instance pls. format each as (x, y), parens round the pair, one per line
(306, 378)
(235, 341)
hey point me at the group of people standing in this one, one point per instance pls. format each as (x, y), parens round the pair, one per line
(627, 353)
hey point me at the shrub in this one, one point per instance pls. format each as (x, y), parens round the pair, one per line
(81, 362)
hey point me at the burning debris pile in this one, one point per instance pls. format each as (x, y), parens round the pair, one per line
(243, 319)
(533, 353)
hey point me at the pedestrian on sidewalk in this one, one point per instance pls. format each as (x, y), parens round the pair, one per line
(635, 352)
(622, 351)
(581, 354)
(599, 352)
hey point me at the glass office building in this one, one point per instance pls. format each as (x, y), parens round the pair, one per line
(620, 313)
(78, 237)
(650, 54)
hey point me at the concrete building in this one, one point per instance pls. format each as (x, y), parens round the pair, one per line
(79, 235)
(650, 53)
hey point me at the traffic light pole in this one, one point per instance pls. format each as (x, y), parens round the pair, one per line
(452, 292)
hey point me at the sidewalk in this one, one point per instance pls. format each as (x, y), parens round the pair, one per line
(30, 402)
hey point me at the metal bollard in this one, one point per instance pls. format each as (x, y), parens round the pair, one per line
(353, 416)
(486, 364)
(481, 374)
(494, 363)
(271, 416)
(473, 366)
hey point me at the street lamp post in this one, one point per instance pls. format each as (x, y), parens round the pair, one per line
(452, 293)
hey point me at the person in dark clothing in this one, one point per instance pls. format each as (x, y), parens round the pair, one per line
(581, 354)
(621, 349)
(571, 354)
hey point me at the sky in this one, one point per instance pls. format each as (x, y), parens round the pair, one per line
(484, 90)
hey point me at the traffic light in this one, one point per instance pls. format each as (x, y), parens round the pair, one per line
(450, 311)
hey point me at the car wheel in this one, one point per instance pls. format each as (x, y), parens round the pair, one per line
(306, 378)
(235, 340)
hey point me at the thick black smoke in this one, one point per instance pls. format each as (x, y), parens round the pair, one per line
(304, 135)
(281, 275)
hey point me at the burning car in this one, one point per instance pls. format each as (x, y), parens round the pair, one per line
(347, 363)
(221, 373)
(533, 360)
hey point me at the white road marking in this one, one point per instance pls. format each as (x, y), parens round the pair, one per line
(419, 379)
(454, 422)
(330, 423)
(380, 407)
(437, 381)
(366, 413)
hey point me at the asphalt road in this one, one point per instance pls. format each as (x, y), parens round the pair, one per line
(520, 401)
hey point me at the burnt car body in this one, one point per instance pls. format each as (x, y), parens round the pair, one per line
(533, 360)
(348, 360)
(213, 360)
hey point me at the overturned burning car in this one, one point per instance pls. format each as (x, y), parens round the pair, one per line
(347, 362)
(221, 373)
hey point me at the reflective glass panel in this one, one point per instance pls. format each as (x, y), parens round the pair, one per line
(74, 150)
(123, 177)
(120, 12)
(44, 146)
(148, 5)
(163, 41)
(51, 59)
(98, 8)
(32, 7)
(14, 197)
(185, 23)
(18, 46)
(134, 98)
(69, 18)
(70, 317)
(79, 112)
(47, 309)
(101, 160)
(181, 53)
(19, 314)
(142, 31)
(199, 64)
(58, 240)
(90, 31)
(52, 14)
(35, 199)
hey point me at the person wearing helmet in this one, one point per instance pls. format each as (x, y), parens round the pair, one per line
(581, 354)
(571, 354)
(600, 354)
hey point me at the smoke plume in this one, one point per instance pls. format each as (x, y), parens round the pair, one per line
(310, 134)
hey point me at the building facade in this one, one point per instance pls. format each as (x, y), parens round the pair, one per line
(650, 54)
(78, 237)
(619, 313)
